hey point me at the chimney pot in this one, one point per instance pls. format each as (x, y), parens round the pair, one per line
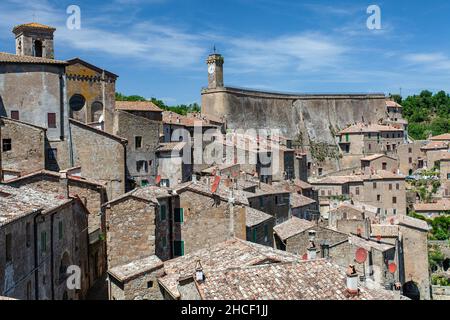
(352, 280)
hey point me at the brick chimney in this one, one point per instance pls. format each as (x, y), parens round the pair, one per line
(352, 281)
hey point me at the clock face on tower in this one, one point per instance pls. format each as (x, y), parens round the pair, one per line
(211, 68)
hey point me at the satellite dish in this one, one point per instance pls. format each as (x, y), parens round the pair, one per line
(361, 255)
(392, 267)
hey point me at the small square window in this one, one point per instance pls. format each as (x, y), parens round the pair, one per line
(149, 284)
(378, 197)
(15, 115)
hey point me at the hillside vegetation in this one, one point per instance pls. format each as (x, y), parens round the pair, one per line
(182, 109)
(427, 113)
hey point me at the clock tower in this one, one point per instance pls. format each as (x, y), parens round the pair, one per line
(215, 71)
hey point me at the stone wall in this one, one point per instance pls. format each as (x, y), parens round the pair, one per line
(101, 156)
(143, 287)
(27, 152)
(207, 221)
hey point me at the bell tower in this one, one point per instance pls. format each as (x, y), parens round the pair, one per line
(35, 40)
(215, 63)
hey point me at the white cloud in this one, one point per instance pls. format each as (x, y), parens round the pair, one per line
(430, 61)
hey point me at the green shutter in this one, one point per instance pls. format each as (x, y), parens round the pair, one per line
(255, 234)
(163, 213)
(43, 241)
(179, 215)
(347, 137)
(178, 248)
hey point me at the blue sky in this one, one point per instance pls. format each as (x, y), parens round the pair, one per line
(159, 47)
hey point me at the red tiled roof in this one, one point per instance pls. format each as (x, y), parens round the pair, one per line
(137, 106)
(14, 58)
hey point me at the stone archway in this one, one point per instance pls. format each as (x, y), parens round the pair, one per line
(411, 290)
(77, 108)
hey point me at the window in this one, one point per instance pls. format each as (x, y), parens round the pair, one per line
(329, 192)
(162, 213)
(384, 166)
(51, 120)
(261, 202)
(410, 150)
(378, 197)
(320, 171)
(38, 48)
(43, 242)
(357, 191)
(347, 137)
(448, 176)
(370, 146)
(394, 200)
(179, 215)
(165, 183)
(322, 192)
(374, 185)
(60, 230)
(144, 183)
(255, 234)
(141, 166)
(8, 245)
(138, 142)
(397, 186)
(410, 160)
(390, 186)
(6, 145)
(52, 155)
(149, 284)
(15, 115)
(394, 211)
(28, 234)
(178, 248)
(276, 199)
(266, 233)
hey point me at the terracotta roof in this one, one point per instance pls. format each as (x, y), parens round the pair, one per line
(228, 254)
(135, 268)
(442, 205)
(298, 200)
(170, 146)
(352, 212)
(13, 58)
(137, 106)
(366, 128)
(32, 25)
(445, 136)
(390, 103)
(292, 227)
(369, 244)
(16, 203)
(97, 131)
(170, 117)
(305, 280)
(375, 156)
(436, 145)
(411, 222)
(337, 180)
(55, 175)
(296, 186)
(255, 217)
(149, 193)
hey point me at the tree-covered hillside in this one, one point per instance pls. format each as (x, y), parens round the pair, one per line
(427, 113)
(182, 109)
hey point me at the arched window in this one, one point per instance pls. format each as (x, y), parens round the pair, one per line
(76, 104)
(96, 111)
(38, 48)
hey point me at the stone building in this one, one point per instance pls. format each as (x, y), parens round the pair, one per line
(91, 93)
(367, 139)
(43, 236)
(379, 162)
(140, 224)
(262, 272)
(92, 195)
(411, 237)
(174, 163)
(432, 210)
(272, 201)
(101, 156)
(205, 217)
(259, 227)
(411, 157)
(22, 148)
(381, 189)
(139, 123)
(304, 208)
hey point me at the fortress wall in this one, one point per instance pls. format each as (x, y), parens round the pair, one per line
(317, 117)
